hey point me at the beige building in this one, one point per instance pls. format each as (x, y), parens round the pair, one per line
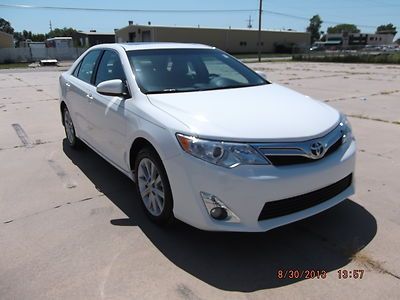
(6, 40)
(230, 40)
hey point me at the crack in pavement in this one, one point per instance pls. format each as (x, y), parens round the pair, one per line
(363, 117)
(32, 101)
(382, 155)
(54, 207)
(371, 264)
(27, 84)
(36, 143)
(25, 140)
(358, 257)
(384, 93)
(61, 173)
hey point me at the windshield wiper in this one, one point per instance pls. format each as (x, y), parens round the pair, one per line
(181, 90)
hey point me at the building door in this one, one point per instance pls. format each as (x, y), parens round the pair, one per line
(132, 36)
(146, 36)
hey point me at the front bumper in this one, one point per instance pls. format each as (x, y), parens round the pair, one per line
(246, 189)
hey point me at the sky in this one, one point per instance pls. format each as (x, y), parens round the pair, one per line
(367, 14)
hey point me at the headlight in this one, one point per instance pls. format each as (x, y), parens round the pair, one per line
(346, 130)
(228, 155)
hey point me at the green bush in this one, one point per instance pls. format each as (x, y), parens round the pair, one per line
(383, 58)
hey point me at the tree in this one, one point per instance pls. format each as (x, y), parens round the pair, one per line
(387, 29)
(28, 35)
(6, 26)
(38, 37)
(62, 32)
(350, 28)
(314, 28)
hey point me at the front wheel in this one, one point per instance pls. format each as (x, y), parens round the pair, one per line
(153, 187)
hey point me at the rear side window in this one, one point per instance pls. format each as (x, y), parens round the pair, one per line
(75, 73)
(110, 67)
(87, 66)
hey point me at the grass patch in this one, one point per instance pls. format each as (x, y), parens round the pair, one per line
(382, 58)
(14, 65)
(266, 60)
(263, 55)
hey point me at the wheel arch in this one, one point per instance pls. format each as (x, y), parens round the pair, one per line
(138, 144)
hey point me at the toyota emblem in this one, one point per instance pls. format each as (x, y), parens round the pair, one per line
(317, 150)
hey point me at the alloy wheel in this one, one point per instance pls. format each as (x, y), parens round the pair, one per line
(69, 127)
(151, 187)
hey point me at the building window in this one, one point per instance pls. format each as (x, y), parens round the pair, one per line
(242, 43)
(371, 38)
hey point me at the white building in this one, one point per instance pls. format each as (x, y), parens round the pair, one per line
(59, 42)
(346, 39)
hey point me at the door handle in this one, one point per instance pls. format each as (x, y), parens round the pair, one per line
(67, 84)
(90, 97)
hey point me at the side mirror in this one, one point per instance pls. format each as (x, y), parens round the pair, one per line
(113, 87)
(262, 74)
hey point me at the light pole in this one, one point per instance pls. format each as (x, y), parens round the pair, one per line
(259, 31)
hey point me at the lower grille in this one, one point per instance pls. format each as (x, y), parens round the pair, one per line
(291, 205)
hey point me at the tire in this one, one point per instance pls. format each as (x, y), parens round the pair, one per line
(72, 140)
(153, 188)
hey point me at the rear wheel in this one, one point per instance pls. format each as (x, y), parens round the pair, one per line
(72, 140)
(153, 187)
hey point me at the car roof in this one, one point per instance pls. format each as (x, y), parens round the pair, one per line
(153, 45)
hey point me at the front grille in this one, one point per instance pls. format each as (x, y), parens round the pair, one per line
(291, 205)
(284, 160)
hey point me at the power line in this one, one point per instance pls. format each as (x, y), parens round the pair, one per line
(22, 6)
(383, 4)
(120, 10)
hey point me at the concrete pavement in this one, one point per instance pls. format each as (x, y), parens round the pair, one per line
(71, 227)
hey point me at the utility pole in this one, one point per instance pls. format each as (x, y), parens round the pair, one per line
(249, 24)
(259, 31)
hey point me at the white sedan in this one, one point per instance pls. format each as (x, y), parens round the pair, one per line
(207, 140)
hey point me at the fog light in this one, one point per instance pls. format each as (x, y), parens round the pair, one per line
(217, 209)
(219, 213)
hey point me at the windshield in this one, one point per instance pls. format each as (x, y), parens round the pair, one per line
(186, 70)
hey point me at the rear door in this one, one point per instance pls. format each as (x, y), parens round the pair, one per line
(107, 113)
(79, 92)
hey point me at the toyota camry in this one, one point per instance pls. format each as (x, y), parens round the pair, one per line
(206, 139)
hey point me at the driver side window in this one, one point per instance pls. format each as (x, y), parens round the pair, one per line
(110, 67)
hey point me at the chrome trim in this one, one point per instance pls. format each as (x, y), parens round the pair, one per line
(314, 149)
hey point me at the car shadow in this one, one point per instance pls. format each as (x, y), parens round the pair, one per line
(239, 261)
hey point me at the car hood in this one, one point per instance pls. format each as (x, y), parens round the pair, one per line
(258, 113)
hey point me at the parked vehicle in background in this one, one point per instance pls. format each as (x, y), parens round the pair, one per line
(206, 139)
(317, 48)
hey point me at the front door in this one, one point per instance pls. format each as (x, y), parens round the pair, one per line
(106, 114)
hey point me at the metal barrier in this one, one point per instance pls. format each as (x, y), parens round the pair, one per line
(15, 55)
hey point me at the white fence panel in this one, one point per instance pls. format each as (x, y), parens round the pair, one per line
(12, 55)
(38, 53)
